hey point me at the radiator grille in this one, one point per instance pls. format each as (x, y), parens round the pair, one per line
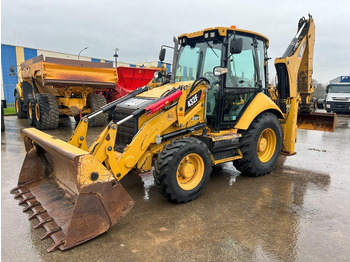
(126, 131)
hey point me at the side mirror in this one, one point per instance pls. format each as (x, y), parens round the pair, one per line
(327, 89)
(162, 54)
(218, 71)
(236, 45)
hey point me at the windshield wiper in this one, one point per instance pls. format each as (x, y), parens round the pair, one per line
(211, 48)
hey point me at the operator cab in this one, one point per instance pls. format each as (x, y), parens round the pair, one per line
(233, 60)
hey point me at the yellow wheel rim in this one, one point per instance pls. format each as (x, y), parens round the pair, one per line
(17, 106)
(190, 171)
(266, 145)
(30, 112)
(37, 112)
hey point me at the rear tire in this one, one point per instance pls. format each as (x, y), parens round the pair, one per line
(95, 102)
(46, 111)
(31, 110)
(182, 170)
(19, 107)
(260, 145)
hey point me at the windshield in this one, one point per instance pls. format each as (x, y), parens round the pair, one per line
(339, 89)
(243, 67)
(198, 60)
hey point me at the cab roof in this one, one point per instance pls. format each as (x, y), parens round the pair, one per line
(223, 32)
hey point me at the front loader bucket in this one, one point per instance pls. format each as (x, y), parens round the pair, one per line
(74, 197)
(317, 121)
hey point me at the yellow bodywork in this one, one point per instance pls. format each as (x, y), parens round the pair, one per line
(141, 151)
(260, 103)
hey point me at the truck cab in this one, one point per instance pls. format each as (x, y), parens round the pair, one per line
(338, 97)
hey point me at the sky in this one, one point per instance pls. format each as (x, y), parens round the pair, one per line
(138, 28)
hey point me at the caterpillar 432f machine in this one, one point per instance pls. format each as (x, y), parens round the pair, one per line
(181, 129)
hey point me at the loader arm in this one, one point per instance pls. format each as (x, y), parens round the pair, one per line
(121, 163)
(294, 72)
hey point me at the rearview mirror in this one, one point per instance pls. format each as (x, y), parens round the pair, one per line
(218, 70)
(162, 54)
(236, 45)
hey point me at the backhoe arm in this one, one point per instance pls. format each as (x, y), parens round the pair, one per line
(294, 71)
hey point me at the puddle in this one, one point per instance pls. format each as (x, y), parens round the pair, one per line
(148, 182)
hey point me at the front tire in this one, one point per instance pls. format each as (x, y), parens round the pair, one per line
(260, 145)
(46, 111)
(182, 170)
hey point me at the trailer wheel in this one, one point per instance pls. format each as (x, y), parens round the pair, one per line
(19, 107)
(182, 170)
(260, 145)
(31, 110)
(95, 102)
(46, 111)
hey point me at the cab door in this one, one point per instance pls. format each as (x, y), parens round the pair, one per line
(245, 77)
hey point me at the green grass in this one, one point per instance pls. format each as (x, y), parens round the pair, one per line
(9, 111)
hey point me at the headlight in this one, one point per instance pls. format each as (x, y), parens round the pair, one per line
(158, 74)
(328, 106)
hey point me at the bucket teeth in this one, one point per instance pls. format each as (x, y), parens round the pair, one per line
(31, 206)
(15, 189)
(55, 246)
(21, 193)
(36, 214)
(25, 200)
(50, 233)
(43, 222)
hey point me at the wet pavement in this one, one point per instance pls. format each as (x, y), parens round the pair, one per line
(299, 212)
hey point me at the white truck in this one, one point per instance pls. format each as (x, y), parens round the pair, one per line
(338, 96)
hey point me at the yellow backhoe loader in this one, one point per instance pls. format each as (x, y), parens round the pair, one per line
(215, 109)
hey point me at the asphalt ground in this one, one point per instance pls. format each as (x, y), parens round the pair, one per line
(299, 212)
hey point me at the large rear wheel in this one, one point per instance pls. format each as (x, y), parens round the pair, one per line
(46, 111)
(260, 145)
(182, 170)
(95, 102)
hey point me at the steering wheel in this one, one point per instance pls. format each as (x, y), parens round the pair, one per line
(212, 79)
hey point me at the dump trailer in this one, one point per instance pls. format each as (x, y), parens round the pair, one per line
(178, 131)
(129, 79)
(53, 87)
